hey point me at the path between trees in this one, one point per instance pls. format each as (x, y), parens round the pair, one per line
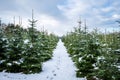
(60, 67)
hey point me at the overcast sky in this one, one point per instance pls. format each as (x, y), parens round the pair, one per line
(60, 16)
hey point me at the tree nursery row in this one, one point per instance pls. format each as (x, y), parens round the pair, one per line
(24, 50)
(95, 54)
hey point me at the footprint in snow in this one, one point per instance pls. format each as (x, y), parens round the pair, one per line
(5, 75)
(51, 78)
(53, 71)
(54, 74)
(15, 78)
(47, 77)
(58, 68)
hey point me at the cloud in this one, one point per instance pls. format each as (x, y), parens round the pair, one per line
(116, 16)
(107, 9)
(73, 8)
(60, 16)
(101, 14)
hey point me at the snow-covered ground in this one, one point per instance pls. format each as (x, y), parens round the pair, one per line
(60, 67)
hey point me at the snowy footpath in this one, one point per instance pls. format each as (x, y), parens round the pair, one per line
(60, 67)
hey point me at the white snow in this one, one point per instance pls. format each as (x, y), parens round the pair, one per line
(2, 61)
(26, 41)
(9, 64)
(60, 67)
(100, 57)
(16, 62)
(4, 39)
(80, 59)
(31, 45)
